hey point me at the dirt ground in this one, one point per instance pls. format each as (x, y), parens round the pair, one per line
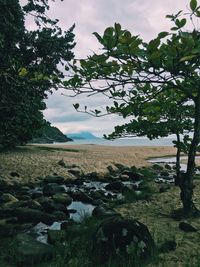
(35, 162)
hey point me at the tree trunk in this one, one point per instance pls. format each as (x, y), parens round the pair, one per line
(178, 168)
(186, 184)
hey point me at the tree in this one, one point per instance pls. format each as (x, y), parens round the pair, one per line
(137, 72)
(165, 115)
(29, 67)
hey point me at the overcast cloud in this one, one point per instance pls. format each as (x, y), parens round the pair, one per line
(143, 17)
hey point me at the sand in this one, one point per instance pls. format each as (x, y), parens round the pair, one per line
(34, 162)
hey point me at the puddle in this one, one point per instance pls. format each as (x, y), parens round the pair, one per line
(171, 161)
(82, 210)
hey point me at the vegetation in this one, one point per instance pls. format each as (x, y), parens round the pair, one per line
(50, 134)
(134, 73)
(29, 67)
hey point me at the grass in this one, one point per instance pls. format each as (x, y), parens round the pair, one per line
(46, 148)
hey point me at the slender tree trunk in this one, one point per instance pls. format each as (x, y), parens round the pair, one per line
(187, 185)
(178, 167)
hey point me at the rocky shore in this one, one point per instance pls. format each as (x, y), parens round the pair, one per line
(121, 213)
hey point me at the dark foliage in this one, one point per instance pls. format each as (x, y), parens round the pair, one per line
(28, 68)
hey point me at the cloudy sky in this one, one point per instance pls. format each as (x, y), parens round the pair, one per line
(142, 17)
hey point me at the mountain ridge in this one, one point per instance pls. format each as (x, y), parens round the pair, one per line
(82, 135)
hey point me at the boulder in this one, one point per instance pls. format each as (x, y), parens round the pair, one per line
(25, 215)
(27, 251)
(14, 174)
(186, 227)
(118, 236)
(102, 212)
(168, 246)
(168, 167)
(7, 197)
(124, 177)
(52, 189)
(62, 198)
(54, 179)
(81, 196)
(133, 175)
(36, 194)
(117, 185)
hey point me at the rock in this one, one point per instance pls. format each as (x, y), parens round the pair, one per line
(14, 174)
(98, 194)
(32, 204)
(168, 167)
(52, 189)
(78, 182)
(98, 202)
(56, 236)
(81, 196)
(54, 179)
(60, 216)
(62, 198)
(92, 175)
(133, 175)
(24, 189)
(47, 204)
(103, 212)
(115, 186)
(7, 197)
(111, 169)
(75, 172)
(168, 246)
(27, 251)
(157, 167)
(124, 177)
(36, 194)
(25, 215)
(62, 163)
(186, 227)
(24, 197)
(120, 236)
(121, 167)
(164, 173)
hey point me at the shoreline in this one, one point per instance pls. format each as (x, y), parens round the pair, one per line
(34, 162)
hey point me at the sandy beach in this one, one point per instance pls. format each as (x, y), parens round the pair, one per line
(34, 162)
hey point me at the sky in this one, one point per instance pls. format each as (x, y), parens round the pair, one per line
(141, 17)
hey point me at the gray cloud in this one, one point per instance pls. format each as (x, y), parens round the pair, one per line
(143, 17)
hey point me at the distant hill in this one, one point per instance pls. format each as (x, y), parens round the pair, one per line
(82, 135)
(49, 135)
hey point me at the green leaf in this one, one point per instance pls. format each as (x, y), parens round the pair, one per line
(76, 106)
(163, 35)
(108, 32)
(187, 58)
(98, 37)
(22, 72)
(193, 5)
(183, 22)
(117, 27)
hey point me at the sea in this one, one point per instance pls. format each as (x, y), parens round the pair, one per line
(122, 142)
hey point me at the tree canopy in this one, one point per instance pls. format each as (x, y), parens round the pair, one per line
(133, 72)
(29, 67)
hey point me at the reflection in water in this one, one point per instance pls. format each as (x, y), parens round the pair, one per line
(82, 210)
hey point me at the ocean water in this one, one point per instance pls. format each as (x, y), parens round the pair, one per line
(123, 142)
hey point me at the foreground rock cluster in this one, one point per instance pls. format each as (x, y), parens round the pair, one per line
(28, 215)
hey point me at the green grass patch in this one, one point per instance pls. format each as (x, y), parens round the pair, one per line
(53, 149)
